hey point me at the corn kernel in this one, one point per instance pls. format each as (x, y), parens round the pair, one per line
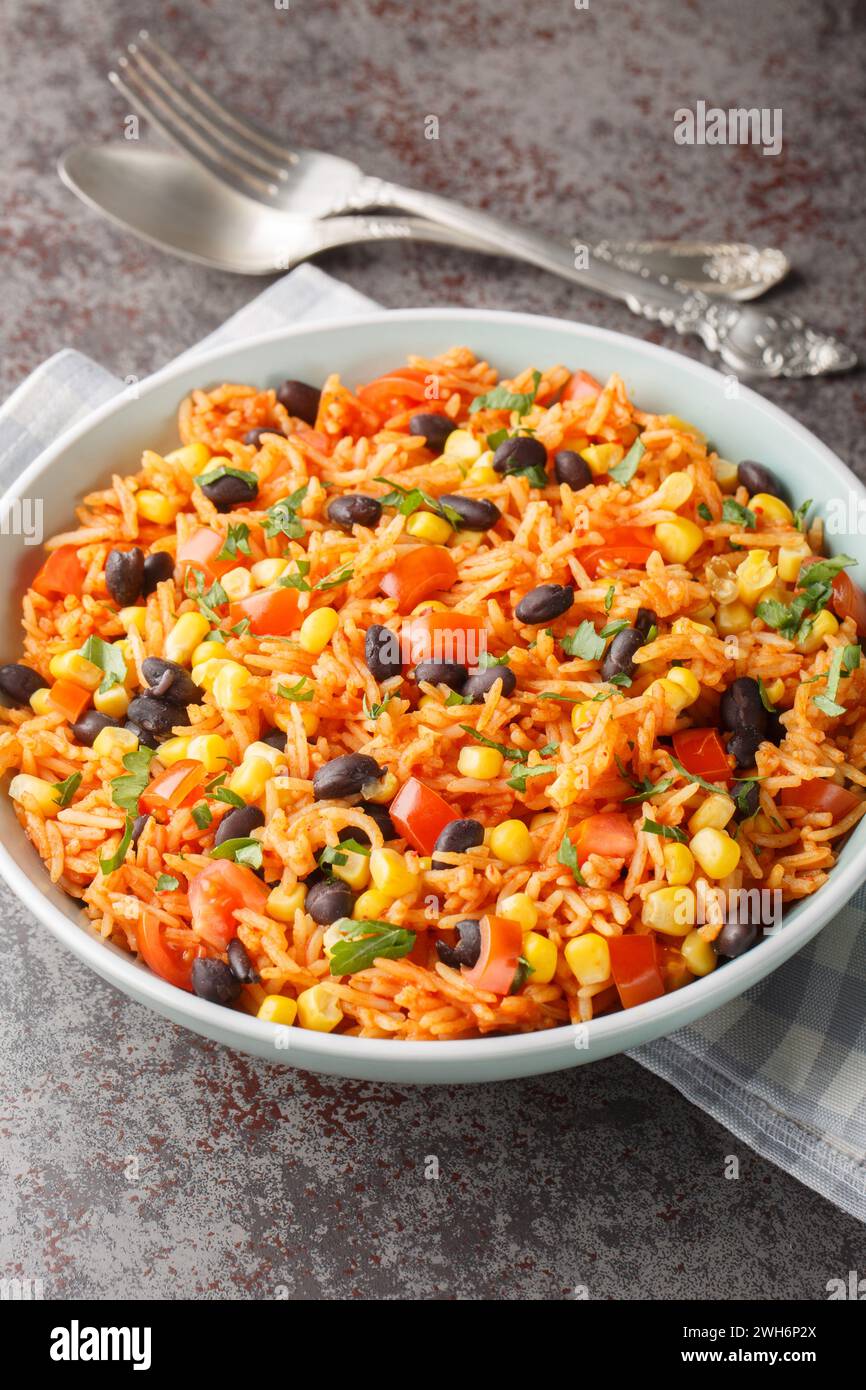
(588, 958)
(229, 687)
(192, 457)
(154, 507)
(775, 690)
(283, 903)
(676, 422)
(511, 842)
(205, 672)
(519, 907)
(189, 630)
(688, 627)
(382, 791)
(174, 750)
(716, 810)
(482, 475)
(134, 618)
(427, 526)
(211, 750)
(674, 491)
(462, 447)
(789, 561)
(317, 629)
(267, 572)
(205, 651)
(703, 617)
(541, 955)
(770, 510)
(541, 820)
(238, 583)
(391, 873)
(823, 625)
(332, 936)
(356, 870)
(688, 682)
(371, 906)
(755, 574)
(40, 700)
(319, 1010)
(673, 694)
(671, 911)
(602, 457)
(679, 863)
(583, 716)
(480, 763)
(114, 701)
(715, 851)
(277, 1008)
(35, 794)
(733, 618)
(72, 666)
(725, 474)
(250, 779)
(678, 540)
(698, 954)
(115, 743)
(275, 756)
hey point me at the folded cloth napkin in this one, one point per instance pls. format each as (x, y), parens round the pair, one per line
(784, 1066)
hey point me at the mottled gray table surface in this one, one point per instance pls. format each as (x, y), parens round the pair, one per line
(138, 1160)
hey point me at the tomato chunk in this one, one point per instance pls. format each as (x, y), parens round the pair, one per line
(821, 795)
(174, 787)
(702, 752)
(220, 890)
(634, 965)
(610, 833)
(579, 386)
(61, 574)
(71, 699)
(272, 612)
(849, 601)
(164, 960)
(445, 636)
(627, 547)
(496, 967)
(420, 815)
(395, 391)
(418, 573)
(200, 553)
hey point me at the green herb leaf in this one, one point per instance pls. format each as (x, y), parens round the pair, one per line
(373, 711)
(825, 571)
(282, 519)
(516, 755)
(845, 659)
(801, 514)
(613, 628)
(584, 643)
(609, 597)
(125, 790)
(366, 940)
(297, 693)
(228, 797)
(409, 500)
(646, 788)
(500, 398)
(202, 816)
(693, 777)
(335, 578)
(455, 698)
(226, 470)
(243, 850)
(67, 788)
(518, 777)
(567, 855)
(486, 660)
(236, 542)
(742, 794)
(108, 658)
(667, 832)
(704, 512)
(115, 860)
(624, 471)
(166, 884)
(207, 599)
(765, 699)
(736, 514)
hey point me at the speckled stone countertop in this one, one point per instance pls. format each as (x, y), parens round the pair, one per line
(138, 1160)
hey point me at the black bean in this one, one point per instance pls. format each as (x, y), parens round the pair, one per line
(328, 901)
(747, 800)
(144, 736)
(468, 948)
(775, 730)
(514, 455)
(156, 716)
(475, 513)
(18, 683)
(157, 568)
(742, 707)
(571, 469)
(644, 620)
(434, 428)
(449, 673)
(90, 724)
(240, 964)
(275, 739)
(214, 980)
(138, 829)
(735, 938)
(256, 437)
(344, 776)
(457, 836)
(354, 508)
(238, 824)
(168, 681)
(743, 745)
(382, 652)
(300, 400)
(230, 491)
(757, 477)
(478, 684)
(124, 575)
(618, 659)
(379, 814)
(546, 602)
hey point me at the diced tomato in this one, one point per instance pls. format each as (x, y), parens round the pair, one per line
(702, 752)
(418, 573)
(61, 574)
(634, 965)
(200, 553)
(580, 385)
(420, 815)
(821, 795)
(849, 601)
(175, 787)
(626, 547)
(610, 833)
(71, 699)
(271, 612)
(501, 945)
(445, 636)
(217, 893)
(164, 960)
(395, 391)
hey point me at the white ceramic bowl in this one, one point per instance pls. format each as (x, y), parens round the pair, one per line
(112, 440)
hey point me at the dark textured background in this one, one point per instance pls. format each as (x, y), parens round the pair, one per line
(247, 1178)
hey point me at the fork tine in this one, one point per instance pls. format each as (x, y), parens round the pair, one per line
(226, 117)
(151, 105)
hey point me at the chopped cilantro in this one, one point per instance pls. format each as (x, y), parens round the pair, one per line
(236, 542)
(735, 514)
(243, 850)
(367, 939)
(126, 789)
(624, 471)
(67, 788)
(567, 855)
(115, 860)
(297, 693)
(667, 832)
(704, 512)
(282, 518)
(500, 398)
(584, 643)
(202, 816)
(166, 884)
(108, 658)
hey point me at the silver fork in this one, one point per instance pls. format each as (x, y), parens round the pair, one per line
(315, 184)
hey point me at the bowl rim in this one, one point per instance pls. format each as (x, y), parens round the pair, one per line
(653, 1019)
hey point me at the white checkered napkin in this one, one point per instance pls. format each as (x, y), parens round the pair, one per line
(784, 1066)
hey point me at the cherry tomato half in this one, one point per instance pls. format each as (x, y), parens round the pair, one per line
(626, 547)
(418, 573)
(610, 833)
(849, 601)
(174, 787)
(217, 893)
(270, 613)
(702, 752)
(61, 574)
(395, 391)
(164, 960)
(420, 815)
(821, 795)
(501, 945)
(445, 636)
